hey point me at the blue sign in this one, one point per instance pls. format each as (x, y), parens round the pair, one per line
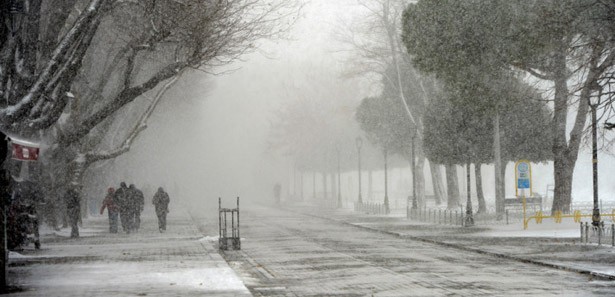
(523, 183)
(523, 175)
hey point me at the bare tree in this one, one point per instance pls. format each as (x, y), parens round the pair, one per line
(375, 38)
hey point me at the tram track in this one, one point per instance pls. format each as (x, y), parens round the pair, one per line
(292, 253)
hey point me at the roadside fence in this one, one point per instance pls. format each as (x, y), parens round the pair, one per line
(597, 234)
(370, 208)
(437, 216)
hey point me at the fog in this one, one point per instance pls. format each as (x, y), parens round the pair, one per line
(208, 138)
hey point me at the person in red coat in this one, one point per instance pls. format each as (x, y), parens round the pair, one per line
(112, 210)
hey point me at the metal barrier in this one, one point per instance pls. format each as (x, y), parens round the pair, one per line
(370, 208)
(599, 235)
(437, 216)
(558, 216)
(226, 242)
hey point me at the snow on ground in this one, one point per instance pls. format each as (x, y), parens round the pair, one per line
(546, 229)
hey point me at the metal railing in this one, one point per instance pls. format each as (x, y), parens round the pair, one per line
(370, 208)
(597, 234)
(437, 216)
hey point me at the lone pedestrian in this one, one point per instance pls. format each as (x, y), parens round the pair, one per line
(112, 209)
(276, 192)
(73, 209)
(161, 202)
(137, 202)
(122, 201)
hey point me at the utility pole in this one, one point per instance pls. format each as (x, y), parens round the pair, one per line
(596, 210)
(359, 142)
(386, 183)
(469, 221)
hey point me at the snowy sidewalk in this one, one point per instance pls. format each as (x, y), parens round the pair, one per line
(179, 262)
(548, 244)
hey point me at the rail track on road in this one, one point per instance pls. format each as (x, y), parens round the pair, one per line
(293, 254)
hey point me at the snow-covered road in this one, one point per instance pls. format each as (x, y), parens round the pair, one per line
(289, 254)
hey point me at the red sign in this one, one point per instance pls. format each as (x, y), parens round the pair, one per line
(24, 152)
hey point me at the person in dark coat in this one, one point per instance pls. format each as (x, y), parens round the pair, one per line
(137, 201)
(112, 209)
(161, 202)
(276, 192)
(73, 209)
(122, 200)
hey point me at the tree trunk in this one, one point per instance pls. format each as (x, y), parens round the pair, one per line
(301, 182)
(503, 178)
(420, 178)
(563, 185)
(565, 153)
(333, 186)
(314, 185)
(370, 188)
(4, 195)
(452, 186)
(482, 207)
(324, 185)
(436, 180)
(386, 182)
(499, 180)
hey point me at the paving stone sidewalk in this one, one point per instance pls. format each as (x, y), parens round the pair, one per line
(178, 262)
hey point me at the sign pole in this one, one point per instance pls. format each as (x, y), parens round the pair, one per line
(523, 176)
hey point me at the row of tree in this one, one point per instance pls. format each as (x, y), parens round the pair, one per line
(82, 77)
(478, 82)
(485, 53)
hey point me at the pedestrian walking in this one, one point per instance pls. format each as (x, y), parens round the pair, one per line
(122, 201)
(112, 209)
(73, 209)
(137, 203)
(161, 202)
(276, 192)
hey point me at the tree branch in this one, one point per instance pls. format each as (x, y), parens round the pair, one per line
(124, 97)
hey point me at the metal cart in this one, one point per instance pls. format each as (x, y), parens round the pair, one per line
(226, 242)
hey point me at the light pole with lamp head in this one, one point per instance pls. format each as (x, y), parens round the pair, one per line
(359, 143)
(16, 10)
(593, 104)
(469, 220)
(387, 209)
(339, 175)
(414, 202)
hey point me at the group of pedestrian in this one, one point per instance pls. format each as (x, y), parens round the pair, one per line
(127, 203)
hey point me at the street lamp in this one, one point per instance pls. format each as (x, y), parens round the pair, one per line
(339, 184)
(359, 143)
(386, 183)
(414, 202)
(469, 221)
(593, 104)
(16, 11)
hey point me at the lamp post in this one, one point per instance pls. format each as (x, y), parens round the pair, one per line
(339, 175)
(16, 10)
(593, 104)
(469, 221)
(414, 202)
(359, 143)
(386, 182)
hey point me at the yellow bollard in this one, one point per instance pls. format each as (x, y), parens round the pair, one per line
(539, 217)
(558, 216)
(577, 216)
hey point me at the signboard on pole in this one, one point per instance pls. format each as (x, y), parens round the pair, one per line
(523, 176)
(24, 150)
